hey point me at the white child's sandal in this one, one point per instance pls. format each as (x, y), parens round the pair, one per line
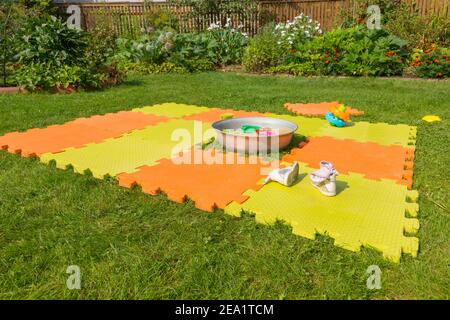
(286, 176)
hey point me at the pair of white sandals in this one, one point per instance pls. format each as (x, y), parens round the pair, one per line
(324, 179)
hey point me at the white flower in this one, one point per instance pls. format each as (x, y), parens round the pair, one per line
(213, 26)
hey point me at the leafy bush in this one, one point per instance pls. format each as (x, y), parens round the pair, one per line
(433, 64)
(52, 42)
(420, 31)
(101, 46)
(354, 51)
(54, 56)
(191, 46)
(11, 17)
(403, 20)
(36, 76)
(151, 49)
(189, 51)
(263, 51)
(229, 43)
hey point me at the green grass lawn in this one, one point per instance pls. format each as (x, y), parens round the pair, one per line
(133, 246)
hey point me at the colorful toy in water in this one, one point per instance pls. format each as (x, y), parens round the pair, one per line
(338, 116)
(252, 130)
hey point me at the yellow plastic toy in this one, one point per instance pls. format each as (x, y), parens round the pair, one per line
(431, 118)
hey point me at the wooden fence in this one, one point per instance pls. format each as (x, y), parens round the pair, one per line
(130, 18)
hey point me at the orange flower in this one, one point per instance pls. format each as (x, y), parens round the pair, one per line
(436, 61)
(327, 62)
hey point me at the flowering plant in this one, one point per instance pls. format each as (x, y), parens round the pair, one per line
(230, 42)
(297, 31)
(431, 63)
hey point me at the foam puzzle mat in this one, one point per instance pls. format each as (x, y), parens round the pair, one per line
(159, 148)
(364, 213)
(367, 158)
(318, 109)
(381, 133)
(219, 178)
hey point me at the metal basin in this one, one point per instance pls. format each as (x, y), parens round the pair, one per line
(284, 131)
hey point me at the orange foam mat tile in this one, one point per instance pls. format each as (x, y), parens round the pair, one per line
(215, 114)
(76, 133)
(52, 139)
(212, 183)
(122, 122)
(373, 160)
(318, 109)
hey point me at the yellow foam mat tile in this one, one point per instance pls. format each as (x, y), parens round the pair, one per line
(381, 133)
(364, 212)
(191, 131)
(172, 110)
(133, 150)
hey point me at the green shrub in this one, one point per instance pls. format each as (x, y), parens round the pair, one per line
(263, 51)
(54, 56)
(229, 43)
(434, 64)
(51, 42)
(354, 51)
(149, 48)
(191, 46)
(374, 53)
(403, 20)
(420, 31)
(12, 16)
(101, 46)
(38, 76)
(189, 51)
